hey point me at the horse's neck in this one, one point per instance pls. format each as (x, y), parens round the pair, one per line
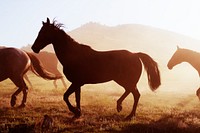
(67, 49)
(193, 58)
(61, 50)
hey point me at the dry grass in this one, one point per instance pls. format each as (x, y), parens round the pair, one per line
(164, 112)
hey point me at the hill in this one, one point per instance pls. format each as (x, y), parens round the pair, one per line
(158, 43)
(173, 108)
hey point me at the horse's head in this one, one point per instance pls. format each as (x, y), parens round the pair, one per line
(176, 58)
(46, 36)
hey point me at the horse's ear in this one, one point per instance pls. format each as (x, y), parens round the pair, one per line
(48, 21)
(178, 47)
(43, 22)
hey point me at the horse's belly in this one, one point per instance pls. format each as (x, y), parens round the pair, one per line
(87, 77)
(104, 70)
(3, 76)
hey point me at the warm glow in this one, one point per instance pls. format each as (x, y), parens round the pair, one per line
(19, 28)
(154, 27)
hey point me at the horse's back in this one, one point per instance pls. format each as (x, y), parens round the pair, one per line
(13, 60)
(13, 54)
(103, 66)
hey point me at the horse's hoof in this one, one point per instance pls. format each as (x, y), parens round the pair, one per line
(75, 117)
(128, 118)
(22, 105)
(13, 101)
(77, 112)
(119, 108)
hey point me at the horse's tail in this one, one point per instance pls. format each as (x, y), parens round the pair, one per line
(151, 67)
(38, 69)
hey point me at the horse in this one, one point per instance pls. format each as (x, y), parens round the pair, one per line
(186, 55)
(84, 65)
(14, 64)
(50, 63)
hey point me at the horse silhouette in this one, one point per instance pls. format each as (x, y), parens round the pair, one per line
(83, 65)
(186, 55)
(14, 64)
(50, 63)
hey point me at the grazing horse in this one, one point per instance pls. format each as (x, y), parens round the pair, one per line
(50, 63)
(14, 64)
(83, 65)
(186, 55)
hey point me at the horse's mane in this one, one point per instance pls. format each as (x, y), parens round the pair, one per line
(191, 51)
(189, 54)
(59, 26)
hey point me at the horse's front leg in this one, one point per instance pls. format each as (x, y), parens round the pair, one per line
(72, 88)
(78, 98)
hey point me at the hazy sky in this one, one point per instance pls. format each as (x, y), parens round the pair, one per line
(21, 19)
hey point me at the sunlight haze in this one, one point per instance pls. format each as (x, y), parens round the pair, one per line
(121, 65)
(21, 20)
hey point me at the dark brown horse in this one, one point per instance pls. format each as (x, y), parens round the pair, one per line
(14, 63)
(50, 63)
(186, 55)
(83, 65)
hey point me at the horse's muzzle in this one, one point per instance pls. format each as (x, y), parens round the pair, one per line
(169, 67)
(35, 50)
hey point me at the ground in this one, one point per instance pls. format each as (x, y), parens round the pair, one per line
(160, 111)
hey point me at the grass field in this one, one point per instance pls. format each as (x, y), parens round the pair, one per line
(162, 111)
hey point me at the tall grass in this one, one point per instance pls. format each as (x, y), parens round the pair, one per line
(164, 112)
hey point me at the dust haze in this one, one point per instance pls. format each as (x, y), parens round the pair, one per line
(172, 100)
(159, 44)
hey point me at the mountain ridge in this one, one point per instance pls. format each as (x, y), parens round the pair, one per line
(157, 42)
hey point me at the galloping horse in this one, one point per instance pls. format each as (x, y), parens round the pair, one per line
(50, 63)
(83, 65)
(186, 55)
(14, 63)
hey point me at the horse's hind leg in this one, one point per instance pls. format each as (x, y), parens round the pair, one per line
(136, 96)
(25, 92)
(120, 100)
(64, 84)
(27, 79)
(14, 96)
(19, 82)
(54, 83)
(198, 93)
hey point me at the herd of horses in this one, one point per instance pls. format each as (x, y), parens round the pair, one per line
(50, 63)
(84, 65)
